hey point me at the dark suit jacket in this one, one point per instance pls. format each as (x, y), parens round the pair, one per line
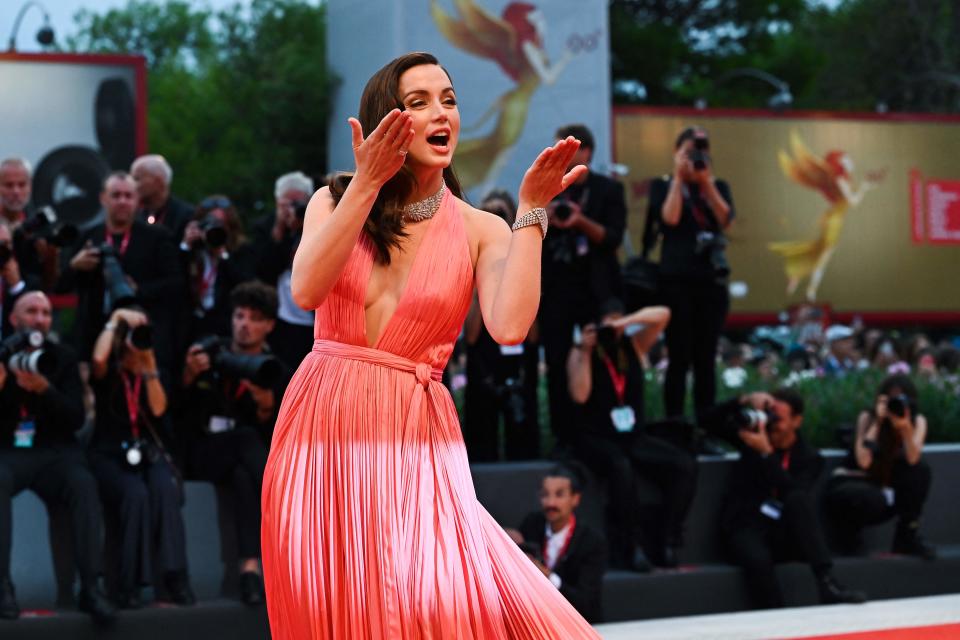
(756, 479)
(152, 262)
(599, 270)
(58, 412)
(174, 216)
(580, 567)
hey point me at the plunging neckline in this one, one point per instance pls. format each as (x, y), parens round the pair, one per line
(406, 285)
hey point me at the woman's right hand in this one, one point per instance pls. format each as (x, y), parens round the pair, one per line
(192, 233)
(380, 155)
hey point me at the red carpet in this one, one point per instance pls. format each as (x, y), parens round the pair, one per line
(933, 632)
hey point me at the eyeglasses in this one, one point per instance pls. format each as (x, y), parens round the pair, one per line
(215, 202)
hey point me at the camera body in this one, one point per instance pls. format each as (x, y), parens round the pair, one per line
(44, 224)
(700, 154)
(299, 208)
(711, 246)
(263, 370)
(562, 209)
(607, 338)
(899, 405)
(22, 352)
(750, 419)
(214, 233)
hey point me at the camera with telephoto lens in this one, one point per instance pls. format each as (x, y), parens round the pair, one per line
(263, 370)
(118, 289)
(214, 233)
(22, 352)
(299, 208)
(700, 154)
(44, 224)
(607, 338)
(898, 405)
(141, 337)
(711, 246)
(750, 419)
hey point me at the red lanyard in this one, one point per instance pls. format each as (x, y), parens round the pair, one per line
(207, 279)
(242, 388)
(785, 460)
(566, 543)
(123, 243)
(132, 393)
(619, 380)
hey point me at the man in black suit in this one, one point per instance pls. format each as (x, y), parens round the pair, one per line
(580, 268)
(153, 175)
(769, 514)
(38, 417)
(149, 260)
(571, 554)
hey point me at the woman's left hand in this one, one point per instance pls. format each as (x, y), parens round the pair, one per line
(548, 174)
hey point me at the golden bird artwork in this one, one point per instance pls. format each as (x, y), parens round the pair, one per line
(832, 176)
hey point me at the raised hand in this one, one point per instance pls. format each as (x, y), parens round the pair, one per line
(381, 154)
(548, 174)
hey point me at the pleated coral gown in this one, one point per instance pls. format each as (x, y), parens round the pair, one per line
(371, 526)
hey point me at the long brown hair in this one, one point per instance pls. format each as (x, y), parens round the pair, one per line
(384, 224)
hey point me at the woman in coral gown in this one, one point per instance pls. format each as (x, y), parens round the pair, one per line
(371, 526)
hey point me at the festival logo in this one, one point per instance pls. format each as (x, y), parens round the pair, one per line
(515, 42)
(832, 176)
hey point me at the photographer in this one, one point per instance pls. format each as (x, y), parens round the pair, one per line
(137, 477)
(769, 514)
(39, 413)
(36, 254)
(147, 260)
(606, 384)
(215, 257)
(885, 476)
(691, 209)
(501, 379)
(11, 282)
(230, 419)
(580, 268)
(570, 553)
(153, 176)
(276, 240)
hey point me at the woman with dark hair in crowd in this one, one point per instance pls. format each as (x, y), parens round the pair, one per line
(216, 257)
(885, 475)
(371, 526)
(501, 379)
(136, 477)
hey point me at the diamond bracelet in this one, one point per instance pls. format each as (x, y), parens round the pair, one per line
(532, 217)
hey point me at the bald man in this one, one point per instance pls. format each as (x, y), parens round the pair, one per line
(39, 415)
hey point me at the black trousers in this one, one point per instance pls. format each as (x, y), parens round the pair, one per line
(291, 342)
(620, 461)
(146, 500)
(56, 475)
(557, 319)
(485, 401)
(236, 459)
(854, 503)
(697, 316)
(757, 543)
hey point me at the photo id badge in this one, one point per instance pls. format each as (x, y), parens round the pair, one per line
(23, 435)
(624, 419)
(771, 509)
(583, 246)
(221, 424)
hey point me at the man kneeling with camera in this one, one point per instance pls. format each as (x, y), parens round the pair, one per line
(233, 390)
(41, 406)
(769, 514)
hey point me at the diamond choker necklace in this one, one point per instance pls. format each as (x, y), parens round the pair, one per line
(426, 208)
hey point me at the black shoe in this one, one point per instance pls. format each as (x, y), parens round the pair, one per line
(670, 556)
(9, 609)
(92, 601)
(251, 588)
(832, 592)
(908, 541)
(178, 588)
(129, 599)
